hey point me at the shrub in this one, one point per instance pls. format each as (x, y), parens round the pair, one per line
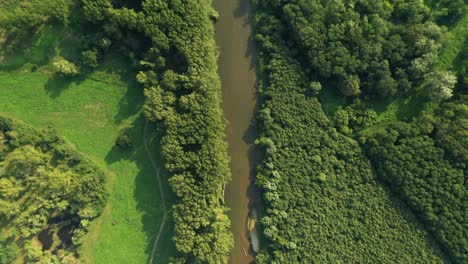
(90, 58)
(65, 68)
(124, 141)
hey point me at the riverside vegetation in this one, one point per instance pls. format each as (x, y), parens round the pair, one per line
(50, 75)
(175, 52)
(171, 47)
(363, 120)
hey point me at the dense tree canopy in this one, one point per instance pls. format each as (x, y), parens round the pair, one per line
(325, 201)
(44, 184)
(178, 72)
(363, 123)
(416, 168)
(362, 45)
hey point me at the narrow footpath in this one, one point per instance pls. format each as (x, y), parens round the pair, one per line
(161, 192)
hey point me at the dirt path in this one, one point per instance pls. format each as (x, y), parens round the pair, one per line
(161, 191)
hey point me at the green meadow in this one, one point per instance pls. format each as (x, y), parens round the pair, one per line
(90, 111)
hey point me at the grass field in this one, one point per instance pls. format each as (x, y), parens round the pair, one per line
(90, 111)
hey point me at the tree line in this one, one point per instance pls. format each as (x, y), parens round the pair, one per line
(175, 53)
(171, 47)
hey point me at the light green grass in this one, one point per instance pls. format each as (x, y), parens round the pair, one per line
(89, 112)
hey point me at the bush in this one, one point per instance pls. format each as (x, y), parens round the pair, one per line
(43, 178)
(90, 58)
(65, 68)
(124, 141)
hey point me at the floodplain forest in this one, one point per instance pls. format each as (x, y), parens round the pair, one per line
(364, 128)
(113, 146)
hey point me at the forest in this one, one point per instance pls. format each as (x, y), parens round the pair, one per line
(363, 124)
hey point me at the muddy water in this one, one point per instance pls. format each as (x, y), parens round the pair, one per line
(236, 69)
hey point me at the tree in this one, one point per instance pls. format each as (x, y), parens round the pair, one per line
(41, 178)
(440, 85)
(351, 86)
(65, 68)
(124, 140)
(386, 85)
(90, 58)
(315, 87)
(141, 78)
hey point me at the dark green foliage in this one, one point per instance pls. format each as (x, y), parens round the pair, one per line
(448, 11)
(451, 131)
(43, 178)
(90, 58)
(124, 140)
(325, 201)
(178, 72)
(359, 46)
(416, 169)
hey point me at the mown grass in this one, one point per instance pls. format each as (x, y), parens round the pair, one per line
(89, 111)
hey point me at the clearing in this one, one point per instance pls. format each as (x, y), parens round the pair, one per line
(90, 111)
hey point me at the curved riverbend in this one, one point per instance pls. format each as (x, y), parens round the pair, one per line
(237, 72)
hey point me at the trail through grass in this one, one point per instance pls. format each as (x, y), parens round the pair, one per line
(90, 112)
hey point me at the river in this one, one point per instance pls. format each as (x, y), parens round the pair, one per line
(237, 72)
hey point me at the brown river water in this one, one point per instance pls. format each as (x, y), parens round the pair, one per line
(237, 72)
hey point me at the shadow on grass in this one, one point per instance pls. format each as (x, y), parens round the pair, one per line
(56, 84)
(115, 64)
(146, 188)
(132, 102)
(411, 107)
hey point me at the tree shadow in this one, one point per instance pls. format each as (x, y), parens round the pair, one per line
(115, 69)
(129, 104)
(244, 10)
(146, 186)
(411, 107)
(116, 64)
(255, 157)
(56, 84)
